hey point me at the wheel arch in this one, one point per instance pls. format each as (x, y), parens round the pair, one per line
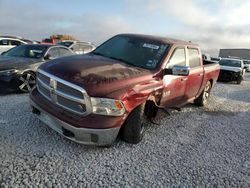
(28, 70)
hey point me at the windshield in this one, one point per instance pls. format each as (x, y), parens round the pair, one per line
(230, 62)
(30, 51)
(247, 62)
(135, 51)
(67, 44)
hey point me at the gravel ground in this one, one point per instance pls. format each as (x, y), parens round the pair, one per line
(195, 147)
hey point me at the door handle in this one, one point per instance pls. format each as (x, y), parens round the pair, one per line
(184, 79)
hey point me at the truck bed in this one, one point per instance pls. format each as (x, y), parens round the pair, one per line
(207, 62)
(211, 70)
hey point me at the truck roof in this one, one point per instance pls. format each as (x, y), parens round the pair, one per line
(160, 39)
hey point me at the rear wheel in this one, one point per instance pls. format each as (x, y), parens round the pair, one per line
(202, 100)
(27, 82)
(133, 128)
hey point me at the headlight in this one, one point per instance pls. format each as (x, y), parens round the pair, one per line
(8, 72)
(109, 107)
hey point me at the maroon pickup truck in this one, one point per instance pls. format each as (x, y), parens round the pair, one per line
(93, 98)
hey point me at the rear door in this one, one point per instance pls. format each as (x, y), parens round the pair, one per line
(196, 74)
(174, 86)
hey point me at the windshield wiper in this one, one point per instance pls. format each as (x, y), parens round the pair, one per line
(127, 62)
(119, 59)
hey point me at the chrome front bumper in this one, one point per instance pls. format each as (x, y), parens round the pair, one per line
(99, 137)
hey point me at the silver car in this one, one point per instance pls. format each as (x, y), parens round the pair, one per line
(78, 47)
(247, 65)
(8, 42)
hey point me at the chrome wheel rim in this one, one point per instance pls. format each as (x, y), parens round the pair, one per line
(142, 129)
(206, 93)
(27, 82)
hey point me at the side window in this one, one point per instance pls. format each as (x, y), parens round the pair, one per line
(53, 53)
(4, 42)
(194, 58)
(15, 42)
(75, 47)
(81, 47)
(86, 47)
(64, 52)
(178, 58)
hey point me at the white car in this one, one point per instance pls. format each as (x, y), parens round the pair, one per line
(231, 70)
(78, 47)
(247, 65)
(8, 42)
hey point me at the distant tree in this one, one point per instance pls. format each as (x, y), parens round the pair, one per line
(62, 37)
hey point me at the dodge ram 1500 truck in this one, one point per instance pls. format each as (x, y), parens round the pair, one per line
(92, 98)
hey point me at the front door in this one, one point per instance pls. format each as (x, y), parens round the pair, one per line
(173, 85)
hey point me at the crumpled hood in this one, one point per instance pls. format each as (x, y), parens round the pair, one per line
(98, 75)
(234, 69)
(8, 62)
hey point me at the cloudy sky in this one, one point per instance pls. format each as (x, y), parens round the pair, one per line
(211, 23)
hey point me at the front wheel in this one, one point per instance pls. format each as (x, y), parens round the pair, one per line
(239, 80)
(202, 100)
(27, 82)
(133, 128)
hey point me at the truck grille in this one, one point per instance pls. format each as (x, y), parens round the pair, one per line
(64, 94)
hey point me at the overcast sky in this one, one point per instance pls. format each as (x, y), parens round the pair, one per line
(211, 23)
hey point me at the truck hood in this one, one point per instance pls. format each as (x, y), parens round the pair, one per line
(8, 62)
(98, 75)
(233, 69)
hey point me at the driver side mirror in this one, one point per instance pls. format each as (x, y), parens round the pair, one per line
(177, 70)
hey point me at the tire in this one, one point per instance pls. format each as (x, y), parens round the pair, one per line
(26, 82)
(133, 128)
(239, 80)
(202, 100)
(150, 110)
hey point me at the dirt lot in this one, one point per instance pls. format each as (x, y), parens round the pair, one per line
(195, 147)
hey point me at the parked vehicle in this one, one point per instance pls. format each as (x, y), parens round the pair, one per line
(231, 70)
(78, 47)
(49, 41)
(8, 42)
(247, 65)
(90, 99)
(18, 65)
